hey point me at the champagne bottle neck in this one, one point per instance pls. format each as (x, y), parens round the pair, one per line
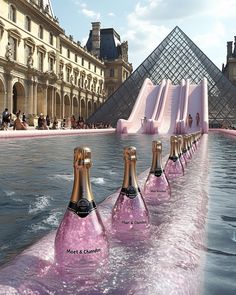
(156, 162)
(130, 177)
(81, 186)
(174, 150)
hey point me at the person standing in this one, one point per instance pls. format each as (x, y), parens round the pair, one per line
(197, 119)
(48, 121)
(190, 121)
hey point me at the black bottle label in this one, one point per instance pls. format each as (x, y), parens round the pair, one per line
(82, 208)
(158, 172)
(131, 192)
(173, 158)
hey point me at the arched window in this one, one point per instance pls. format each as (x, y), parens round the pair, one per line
(27, 23)
(12, 13)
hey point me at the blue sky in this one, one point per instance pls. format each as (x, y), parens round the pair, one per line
(145, 23)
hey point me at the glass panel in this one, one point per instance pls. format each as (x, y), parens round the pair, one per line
(176, 58)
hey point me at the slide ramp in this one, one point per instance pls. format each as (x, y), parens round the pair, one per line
(195, 103)
(168, 122)
(142, 110)
(165, 108)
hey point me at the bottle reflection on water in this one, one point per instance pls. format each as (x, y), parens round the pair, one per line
(156, 188)
(80, 239)
(174, 167)
(130, 216)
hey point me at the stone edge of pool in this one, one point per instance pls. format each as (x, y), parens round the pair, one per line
(225, 131)
(33, 133)
(49, 133)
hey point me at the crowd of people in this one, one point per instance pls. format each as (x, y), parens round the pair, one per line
(19, 122)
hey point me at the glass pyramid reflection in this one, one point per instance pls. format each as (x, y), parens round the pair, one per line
(176, 58)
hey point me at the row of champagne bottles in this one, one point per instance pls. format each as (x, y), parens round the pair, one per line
(81, 238)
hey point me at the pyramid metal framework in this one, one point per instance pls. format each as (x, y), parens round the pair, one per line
(176, 58)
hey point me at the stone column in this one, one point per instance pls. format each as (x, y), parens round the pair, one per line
(62, 103)
(45, 93)
(86, 106)
(35, 98)
(9, 93)
(79, 104)
(30, 98)
(53, 101)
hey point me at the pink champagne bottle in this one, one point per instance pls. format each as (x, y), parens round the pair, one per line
(130, 216)
(174, 167)
(185, 149)
(180, 147)
(81, 240)
(190, 147)
(156, 187)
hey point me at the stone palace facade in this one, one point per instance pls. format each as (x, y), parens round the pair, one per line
(44, 71)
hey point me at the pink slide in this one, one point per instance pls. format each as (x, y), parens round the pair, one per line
(165, 109)
(143, 109)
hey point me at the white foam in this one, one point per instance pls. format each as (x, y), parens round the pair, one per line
(48, 223)
(3, 247)
(40, 203)
(112, 172)
(53, 219)
(37, 227)
(68, 177)
(97, 180)
(9, 193)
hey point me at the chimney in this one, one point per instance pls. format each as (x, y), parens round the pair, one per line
(234, 52)
(96, 38)
(229, 49)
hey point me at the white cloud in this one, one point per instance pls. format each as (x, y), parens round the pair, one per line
(143, 38)
(91, 13)
(111, 14)
(87, 12)
(214, 37)
(222, 8)
(169, 9)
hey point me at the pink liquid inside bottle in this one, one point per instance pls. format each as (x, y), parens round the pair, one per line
(81, 241)
(174, 167)
(156, 188)
(130, 216)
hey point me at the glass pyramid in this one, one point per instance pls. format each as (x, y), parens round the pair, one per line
(176, 58)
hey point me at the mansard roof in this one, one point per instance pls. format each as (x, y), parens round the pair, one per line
(109, 44)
